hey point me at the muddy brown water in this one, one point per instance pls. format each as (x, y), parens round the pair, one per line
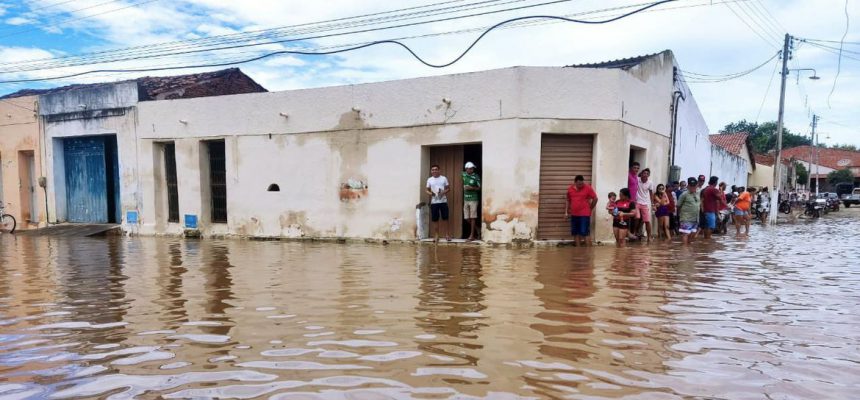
(775, 316)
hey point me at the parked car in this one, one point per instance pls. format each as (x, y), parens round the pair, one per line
(851, 199)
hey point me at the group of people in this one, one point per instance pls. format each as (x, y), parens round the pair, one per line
(690, 208)
(437, 188)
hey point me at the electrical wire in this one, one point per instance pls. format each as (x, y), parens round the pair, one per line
(766, 92)
(375, 43)
(76, 19)
(180, 49)
(694, 77)
(834, 50)
(760, 23)
(766, 39)
(772, 17)
(839, 62)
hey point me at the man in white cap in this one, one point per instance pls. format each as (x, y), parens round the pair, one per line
(471, 197)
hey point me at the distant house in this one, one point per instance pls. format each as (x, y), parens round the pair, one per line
(732, 158)
(82, 139)
(763, 174)
(822, 161)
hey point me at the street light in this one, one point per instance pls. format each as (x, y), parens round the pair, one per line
(814, 76)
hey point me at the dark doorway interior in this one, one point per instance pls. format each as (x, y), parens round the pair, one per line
(171, 182)
(452, 159)
(218, 180)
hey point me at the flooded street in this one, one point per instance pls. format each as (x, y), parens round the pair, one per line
(776, 316)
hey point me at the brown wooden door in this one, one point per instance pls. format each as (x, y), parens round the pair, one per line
(562, 157)
(450, 160)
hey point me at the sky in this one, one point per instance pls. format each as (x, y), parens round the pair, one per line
(719, 38)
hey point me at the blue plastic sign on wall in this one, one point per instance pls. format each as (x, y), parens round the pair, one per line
(190, 221)
(131, 217)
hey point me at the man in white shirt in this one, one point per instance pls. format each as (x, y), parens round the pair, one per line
(643, 202)
(438, 188)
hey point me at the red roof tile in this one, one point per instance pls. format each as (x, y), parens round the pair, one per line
(733, 142)
(830, 158)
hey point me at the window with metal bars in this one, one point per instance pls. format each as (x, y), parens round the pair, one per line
(171, 181)
(218, 180)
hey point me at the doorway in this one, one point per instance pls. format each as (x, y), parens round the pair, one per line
(637, 154)
(29, 187)
(92, 179)
(451, 159)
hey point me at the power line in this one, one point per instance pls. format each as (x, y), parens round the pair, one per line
(755, 19)
(376, 43)
(768, 40)
(75, 19)
(766, 92)
(704, 78)
(759, 5)
(839, 62)
(240, 42)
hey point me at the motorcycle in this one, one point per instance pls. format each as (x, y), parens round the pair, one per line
(814, 208)
(785, 207)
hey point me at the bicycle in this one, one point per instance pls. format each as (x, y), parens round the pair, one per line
(7, 222)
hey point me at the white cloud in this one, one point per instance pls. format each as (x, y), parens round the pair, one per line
(16, 21)
(705, 38)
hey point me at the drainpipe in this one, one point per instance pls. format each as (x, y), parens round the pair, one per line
(675, 96)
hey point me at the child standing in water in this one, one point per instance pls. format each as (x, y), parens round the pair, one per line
(623, 213)
(662, 211)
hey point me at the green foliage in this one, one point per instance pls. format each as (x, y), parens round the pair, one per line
(801, 172)
(763, 136)
(849, 147)
(843, 175)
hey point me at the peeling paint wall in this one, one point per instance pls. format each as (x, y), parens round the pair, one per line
(19, 132)
(350, 161)
(107, 109)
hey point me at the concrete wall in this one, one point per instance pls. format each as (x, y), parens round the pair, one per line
(692, 147)
(101, 110)
(730, 168)
(311, 142)
(20, 136)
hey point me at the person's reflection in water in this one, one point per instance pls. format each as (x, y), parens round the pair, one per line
(450, 300)
(218, 285)
(169, 281)
(567, 296)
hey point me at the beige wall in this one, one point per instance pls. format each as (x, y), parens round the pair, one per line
(19, 137)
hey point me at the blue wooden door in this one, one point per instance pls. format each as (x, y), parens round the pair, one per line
(86, 180)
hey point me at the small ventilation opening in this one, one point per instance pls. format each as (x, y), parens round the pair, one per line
(274, 188)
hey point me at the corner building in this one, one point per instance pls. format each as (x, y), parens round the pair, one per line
(351, 161)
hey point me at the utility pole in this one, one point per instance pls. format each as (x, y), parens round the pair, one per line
(813, 155)
(817, 157)
(777, 165)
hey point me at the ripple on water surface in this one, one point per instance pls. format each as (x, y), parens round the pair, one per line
(769, 316)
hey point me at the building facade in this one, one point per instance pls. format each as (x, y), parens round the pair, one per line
(351, 161)
(732, 158)
(21, 165)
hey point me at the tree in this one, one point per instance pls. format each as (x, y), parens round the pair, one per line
(763, 136)
(802, 173)
(849, 147)
(843, 175)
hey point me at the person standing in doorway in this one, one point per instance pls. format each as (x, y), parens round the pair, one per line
(471, 197)
(633, 187)
(712, 201)
(578, 207)
(688, 211)
(438, 188)
(644, 201)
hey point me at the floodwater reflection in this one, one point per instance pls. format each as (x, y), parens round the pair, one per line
(773, 316)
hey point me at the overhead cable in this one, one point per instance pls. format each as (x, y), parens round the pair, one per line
(376, 43)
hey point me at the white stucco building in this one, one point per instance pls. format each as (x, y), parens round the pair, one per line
(351, 161)
(732, 159)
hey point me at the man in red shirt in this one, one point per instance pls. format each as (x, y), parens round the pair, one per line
(579, 204)
(712, 201)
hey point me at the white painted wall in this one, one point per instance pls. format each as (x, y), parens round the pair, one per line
(377, 133)
(692, 146)
(729, 167)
